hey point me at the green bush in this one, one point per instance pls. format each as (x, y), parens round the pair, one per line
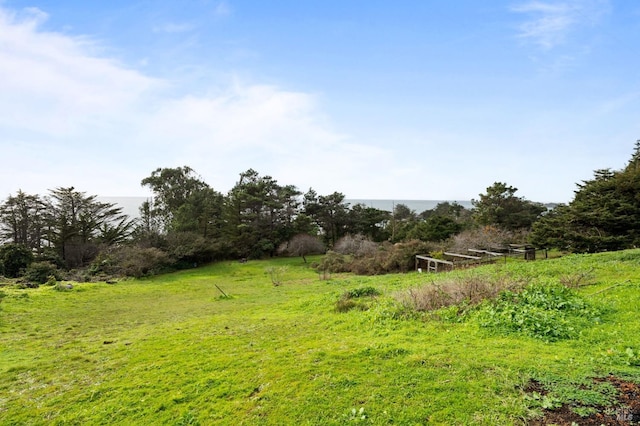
(362, 292)
(388, 258)
(40, 272)
(333, 262)
(131, 261)
(14, 259)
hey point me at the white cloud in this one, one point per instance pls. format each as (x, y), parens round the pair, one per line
(222, 9)
(551, 22)
(174, 27)
(51, 83)
(70, 116)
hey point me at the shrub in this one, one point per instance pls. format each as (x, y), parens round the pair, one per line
(466, 291)
(302, 245)
(39, 272)
(362, 292)
(367, 265)
(487, 237)
(15, 258)
(187, 248)
(333, 262)
(387, 258)
(276, 273)
(131, 261)
(357, 246)
(62, 287)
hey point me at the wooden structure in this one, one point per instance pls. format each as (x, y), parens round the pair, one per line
(526, 249)
(433, 263)
(450, 261)
(486, 252)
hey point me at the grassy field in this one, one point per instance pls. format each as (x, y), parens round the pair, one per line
(174, 350)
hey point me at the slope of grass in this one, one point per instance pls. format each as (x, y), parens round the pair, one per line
(174, 350)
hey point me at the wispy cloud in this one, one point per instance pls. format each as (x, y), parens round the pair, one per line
(174, 27)
(80, 118)
(549, 23)
(222, 9)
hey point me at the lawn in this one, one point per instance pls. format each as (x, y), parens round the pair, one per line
(222, 344)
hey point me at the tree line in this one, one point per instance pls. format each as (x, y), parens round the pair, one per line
(187, 222)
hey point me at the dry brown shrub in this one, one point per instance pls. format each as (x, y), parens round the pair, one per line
(469, 290)
(487, 237)
(356, 245)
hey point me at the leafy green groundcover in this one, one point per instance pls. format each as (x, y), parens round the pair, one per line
(546, 311)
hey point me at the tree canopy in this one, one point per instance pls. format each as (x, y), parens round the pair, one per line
(187, 222)
(499, 206)
(604, 214)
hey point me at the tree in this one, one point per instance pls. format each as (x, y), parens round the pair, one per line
(184, 218)
(403, 212)
(604, 214)
(453, 211)
(303, 245)
(22, 220)
(500, 207)
(259, 214)
(402, 220)
(77, 223)
(172, 189)
(329, 212)
(201, 213)
(435, 228)
(368, 221)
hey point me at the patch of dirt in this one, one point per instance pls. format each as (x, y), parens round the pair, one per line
(626, 411)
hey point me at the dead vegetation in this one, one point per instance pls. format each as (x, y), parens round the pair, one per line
(469, 290)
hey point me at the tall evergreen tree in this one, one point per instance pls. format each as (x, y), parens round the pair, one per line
(173, 189)
(22, 220)
(77, 223)
(329, 212)
(260, 214)
(604, 214)
(500, 207)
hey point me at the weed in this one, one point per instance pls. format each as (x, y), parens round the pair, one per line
(356, 415)
(577, 279)
(276, 273)
(546, 402)
(544, 311)
(346, 302)
(633, 358)
(361, 292)
(188, 419)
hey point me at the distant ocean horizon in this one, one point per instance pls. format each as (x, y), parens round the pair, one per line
(417, 206)
(130, 205)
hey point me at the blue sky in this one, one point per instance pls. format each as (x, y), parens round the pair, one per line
(375, 99)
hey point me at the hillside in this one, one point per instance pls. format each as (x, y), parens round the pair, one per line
(174, 349)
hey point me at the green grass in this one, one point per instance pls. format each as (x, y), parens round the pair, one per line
(173, 350)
